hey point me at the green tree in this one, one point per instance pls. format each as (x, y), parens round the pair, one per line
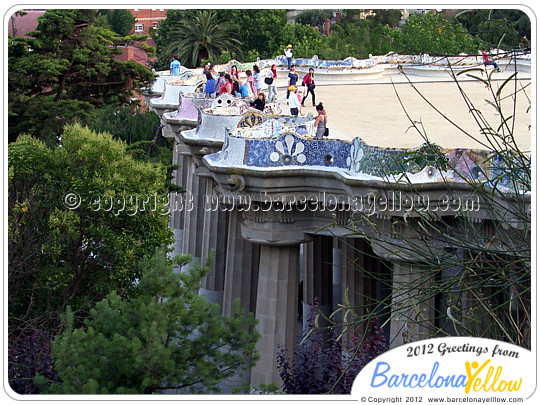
(168, 337)
(74, 235)
(306, 41)
(353, 39)
(312, 17)
(201, 36)
(390, 17)
(141, 131)
(503, 28)
(121, 21)
(432, 33)
(65, 70)
(258, 30)
(350, 15)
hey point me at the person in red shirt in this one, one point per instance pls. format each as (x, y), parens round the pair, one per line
(227, 86)
(488, 62)
(309, 83)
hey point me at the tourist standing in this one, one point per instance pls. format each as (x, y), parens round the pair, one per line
(292, 98)
(270, 79)
(288, 55)
(210, 86)
(488, 62)
(257, 78)
(234, 72)
(206, 69)
(292, 78)
(251, 84)
(227, 88)
(236, 85)
(309, 83)
(220, 82)
(175, 67)
(320, 122)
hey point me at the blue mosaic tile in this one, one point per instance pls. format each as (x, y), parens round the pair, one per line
(292, 150)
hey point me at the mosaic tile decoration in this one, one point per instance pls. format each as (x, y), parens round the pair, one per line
(270, 140)
(187, 110)
(211, 123)
(252, 118)
(292, 150)
(382, 162)
(349, 62)
(225, 104)
(169, 96)
(461, 165)
(159, 84)
(185, 81)
(223, 100)
(268, 129)
(172, 94)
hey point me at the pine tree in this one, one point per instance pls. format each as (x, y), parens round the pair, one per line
(167, 338)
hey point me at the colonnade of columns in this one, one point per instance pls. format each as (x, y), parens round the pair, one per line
(265, 275)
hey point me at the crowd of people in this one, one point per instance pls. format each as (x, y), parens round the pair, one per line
(252, 88)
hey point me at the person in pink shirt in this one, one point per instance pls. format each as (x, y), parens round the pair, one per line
(251, 84)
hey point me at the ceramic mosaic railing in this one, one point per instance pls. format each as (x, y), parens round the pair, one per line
(349, 62)
(424, 64)
(255, 124)
(267, 144)
(159, 84)
(223, 111)
(390, 58)
(188, 112)
(169, 98)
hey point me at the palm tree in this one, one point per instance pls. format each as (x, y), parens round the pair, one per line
(202, 37)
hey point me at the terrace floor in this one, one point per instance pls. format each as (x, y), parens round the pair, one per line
(380, 111)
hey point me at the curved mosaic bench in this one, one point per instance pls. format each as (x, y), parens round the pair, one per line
(352, 69)
(289, 148)
(188, 112)
(522, 64)
(322, 74)
(170, 98)
(159, 85)
(224, 111)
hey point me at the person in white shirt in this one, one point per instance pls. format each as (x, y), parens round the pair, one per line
(270, 80)
(292, 99)
(288, 55)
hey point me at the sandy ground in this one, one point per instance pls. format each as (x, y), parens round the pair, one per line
(380, 112)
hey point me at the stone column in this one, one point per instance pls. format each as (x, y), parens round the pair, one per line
(277, 301)
(240, 268)
(214, 229)
(193, 213)
(240, 279)
(176, 203)
(317, 280)
(337, 278)
(354, 286)
(413, 303)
